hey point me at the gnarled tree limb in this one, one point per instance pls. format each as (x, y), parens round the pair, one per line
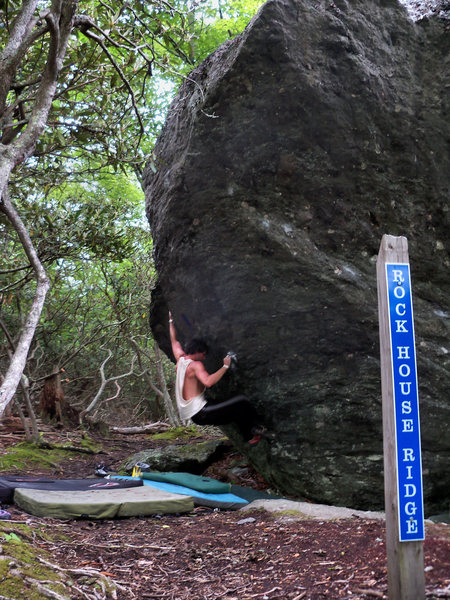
(60, 21)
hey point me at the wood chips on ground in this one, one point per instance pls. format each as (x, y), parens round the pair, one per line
(229, 555)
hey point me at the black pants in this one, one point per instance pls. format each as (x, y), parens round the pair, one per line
(236, 410)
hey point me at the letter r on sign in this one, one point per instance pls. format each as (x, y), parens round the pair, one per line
(398, 276)
(408, 455)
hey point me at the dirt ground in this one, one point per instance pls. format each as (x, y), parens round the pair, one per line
(231, 555)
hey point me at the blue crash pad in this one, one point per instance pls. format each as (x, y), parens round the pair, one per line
(225, 501)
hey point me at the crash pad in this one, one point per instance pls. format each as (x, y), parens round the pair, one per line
(8, 483)
(225, 501)
(194, 482)
(101, 504)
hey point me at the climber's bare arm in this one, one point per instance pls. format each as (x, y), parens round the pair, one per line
(176, 346)
(197, 370)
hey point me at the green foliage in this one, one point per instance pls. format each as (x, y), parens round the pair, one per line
(119, 72)
(89, 221)
(79, 193)
(97, 250)
(105, 101)
(222, 22)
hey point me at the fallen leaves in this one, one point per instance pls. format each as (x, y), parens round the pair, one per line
(223, 555)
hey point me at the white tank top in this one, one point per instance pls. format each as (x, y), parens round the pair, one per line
(186, 408)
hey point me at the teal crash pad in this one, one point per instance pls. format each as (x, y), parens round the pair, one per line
(225, 501)
(195, 482)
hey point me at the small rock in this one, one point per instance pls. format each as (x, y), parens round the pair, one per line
(245, 521)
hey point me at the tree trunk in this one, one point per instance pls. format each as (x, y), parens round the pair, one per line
(59, 22)
(33, 433)
(23, 419)
(19, 359)
(52, 398)
(171, 409)
(34, 430)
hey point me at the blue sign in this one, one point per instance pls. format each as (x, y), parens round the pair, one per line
(406, 403)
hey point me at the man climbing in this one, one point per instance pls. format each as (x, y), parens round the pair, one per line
(193, 378)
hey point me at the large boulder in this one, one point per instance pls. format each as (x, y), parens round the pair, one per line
(285, 157)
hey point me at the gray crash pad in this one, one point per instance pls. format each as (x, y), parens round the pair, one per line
(101, 504)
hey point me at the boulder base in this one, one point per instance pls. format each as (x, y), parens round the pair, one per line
(193, 458)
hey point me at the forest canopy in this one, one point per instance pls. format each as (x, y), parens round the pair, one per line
(84, 87)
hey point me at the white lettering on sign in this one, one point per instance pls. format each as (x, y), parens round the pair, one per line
(401, 327)
(400, 309)
(404, 370)
(405, 388)
(397, 276)
(408, 425)
(410, 490)
(410, 508)
(412, 527)
(399, 292)
(406, 405)
(403, 352)
(408, 455)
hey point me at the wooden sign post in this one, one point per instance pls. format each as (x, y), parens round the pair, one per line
(401, 425)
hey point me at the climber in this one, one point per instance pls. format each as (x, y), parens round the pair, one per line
(193, 378)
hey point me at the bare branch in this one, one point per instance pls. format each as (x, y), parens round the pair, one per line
(59, 21)
(7, 335)
(94, 336)
(116, 395)
(177, 52)
(171, 410)
(157, 427)
(105, 381)
(16, 270)
(100, 42)
(15, 48)
(16, 284)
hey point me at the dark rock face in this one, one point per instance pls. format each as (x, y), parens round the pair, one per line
(284, 159)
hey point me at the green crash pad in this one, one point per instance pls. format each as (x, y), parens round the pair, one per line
(195, 482)
(101, 504)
